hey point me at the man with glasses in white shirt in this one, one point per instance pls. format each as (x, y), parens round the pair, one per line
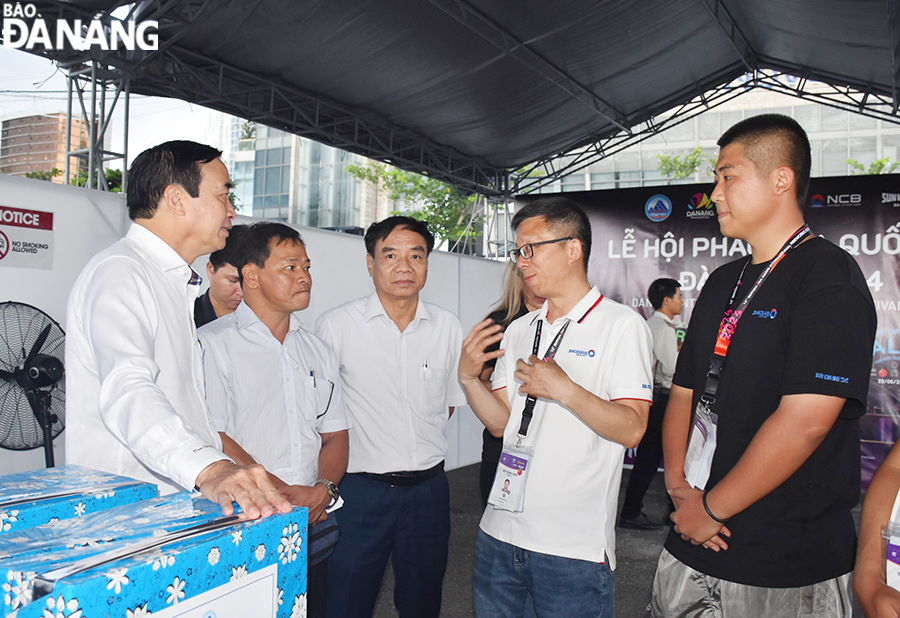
(571, 391)
(273, 387)
(136, 399)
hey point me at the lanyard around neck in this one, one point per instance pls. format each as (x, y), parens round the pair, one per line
(528, 410)
(730, 319)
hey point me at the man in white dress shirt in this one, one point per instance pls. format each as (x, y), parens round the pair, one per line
(136, 398)
(273, 387)
(665, 298)
(398, 358)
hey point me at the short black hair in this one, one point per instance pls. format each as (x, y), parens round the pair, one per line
(256, 243)
(382, 229)
(773, 140)
(660, 290)
(563, 216)
(171, 163)
(228, 254)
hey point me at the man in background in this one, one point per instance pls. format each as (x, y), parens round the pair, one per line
(665, 298)
(136, 402)
(224, 293)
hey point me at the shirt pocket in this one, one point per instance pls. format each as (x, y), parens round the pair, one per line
(431, 382)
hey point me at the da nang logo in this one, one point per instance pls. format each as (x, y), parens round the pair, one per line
(658, 208)
(25, 28)
(701, 207)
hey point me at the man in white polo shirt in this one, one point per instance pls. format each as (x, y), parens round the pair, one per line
(398, 357)
(551, 535)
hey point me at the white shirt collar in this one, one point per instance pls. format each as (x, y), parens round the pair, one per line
(375, 308)
(159, 251)
(576, 313)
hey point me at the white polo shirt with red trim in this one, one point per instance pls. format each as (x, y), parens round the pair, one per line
(573, 484)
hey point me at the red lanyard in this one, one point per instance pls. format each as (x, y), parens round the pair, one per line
(729, 321)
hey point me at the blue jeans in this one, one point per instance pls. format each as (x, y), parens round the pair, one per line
(505, 575)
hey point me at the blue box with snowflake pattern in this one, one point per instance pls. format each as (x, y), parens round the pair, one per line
(40, 496)
(174, 556)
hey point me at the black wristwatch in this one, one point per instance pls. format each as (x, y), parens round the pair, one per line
(332, 491)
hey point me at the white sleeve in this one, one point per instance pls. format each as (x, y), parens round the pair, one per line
(455, 395)
(665, 347)
(216, 370)
(121, 317)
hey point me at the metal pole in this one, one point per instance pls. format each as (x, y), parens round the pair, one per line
(125, 146)
(93, 125)
(68, 125)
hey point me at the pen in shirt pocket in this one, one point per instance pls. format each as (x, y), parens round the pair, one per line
(425, 373)
(312, 375)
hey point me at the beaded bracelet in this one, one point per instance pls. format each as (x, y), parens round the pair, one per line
(709, 512)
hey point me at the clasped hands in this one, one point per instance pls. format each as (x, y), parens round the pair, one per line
(692, 521)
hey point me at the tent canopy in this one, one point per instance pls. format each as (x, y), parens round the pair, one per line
(467, 90)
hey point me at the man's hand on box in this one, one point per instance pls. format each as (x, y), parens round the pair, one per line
(225, 483)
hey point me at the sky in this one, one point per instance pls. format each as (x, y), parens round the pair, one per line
(32, 84)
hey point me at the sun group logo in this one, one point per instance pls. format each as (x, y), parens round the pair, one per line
(25, 28)
(888, 198)
(837, 200)
(658, 208)
(762, 313)
(582, 353)
(701, 207)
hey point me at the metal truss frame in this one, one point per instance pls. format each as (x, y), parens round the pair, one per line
(98, 90)
(866, 102)
(177, 72)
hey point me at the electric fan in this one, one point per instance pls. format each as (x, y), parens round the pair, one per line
(32, 387)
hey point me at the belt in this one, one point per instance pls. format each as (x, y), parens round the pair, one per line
(405, 479)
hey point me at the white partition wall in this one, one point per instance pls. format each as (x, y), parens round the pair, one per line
(86, 221)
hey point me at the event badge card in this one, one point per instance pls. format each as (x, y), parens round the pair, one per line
(508, 491)
(701, 447)
(891, 535)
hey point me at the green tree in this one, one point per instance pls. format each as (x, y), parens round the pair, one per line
(44, 174)
(686, 165)
(448, 213)
(113, 179)
(878, 166)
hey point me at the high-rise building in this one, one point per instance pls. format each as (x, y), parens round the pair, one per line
(37, 143)
(284, 177)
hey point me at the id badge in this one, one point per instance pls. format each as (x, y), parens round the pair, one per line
(508, 490)
(701, 447)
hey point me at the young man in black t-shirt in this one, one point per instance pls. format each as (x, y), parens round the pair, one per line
(770, 533)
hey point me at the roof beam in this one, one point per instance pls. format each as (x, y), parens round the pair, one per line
(893, 15)
(493, 33)
(732, 32)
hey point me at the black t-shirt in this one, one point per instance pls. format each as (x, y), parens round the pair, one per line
(809, 329)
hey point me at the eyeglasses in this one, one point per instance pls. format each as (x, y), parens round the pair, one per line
(526, 252)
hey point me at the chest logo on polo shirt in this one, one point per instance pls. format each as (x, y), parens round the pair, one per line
(582, 353)
(765, 313)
